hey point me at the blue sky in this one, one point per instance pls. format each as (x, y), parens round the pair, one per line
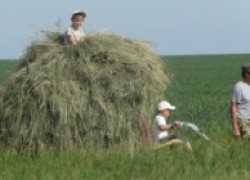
(175, 27)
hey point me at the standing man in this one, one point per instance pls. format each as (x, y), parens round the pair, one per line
(240, 105)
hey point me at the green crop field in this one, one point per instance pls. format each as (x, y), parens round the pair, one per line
(6, 68)
(200, 88)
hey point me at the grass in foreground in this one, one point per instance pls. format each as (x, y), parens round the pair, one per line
(201, 90)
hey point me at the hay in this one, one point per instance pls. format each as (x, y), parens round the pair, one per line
(74, 96)
(51, 41)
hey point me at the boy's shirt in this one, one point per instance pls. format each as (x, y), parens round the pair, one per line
(78, 34)
(160, 120)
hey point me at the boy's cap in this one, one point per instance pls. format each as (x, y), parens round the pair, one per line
(165, 105)
(246, 68)
(78, 12)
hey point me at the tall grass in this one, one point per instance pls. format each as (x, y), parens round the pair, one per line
(201, 90)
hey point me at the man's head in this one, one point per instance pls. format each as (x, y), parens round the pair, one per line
(164, 108)
(78, 18)
(245, 69)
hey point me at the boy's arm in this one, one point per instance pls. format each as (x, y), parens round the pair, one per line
(166, 127)
(72, 40)
(162, 126)
(71, 36)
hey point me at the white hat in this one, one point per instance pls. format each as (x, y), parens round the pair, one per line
(165, 105)
(79, 12)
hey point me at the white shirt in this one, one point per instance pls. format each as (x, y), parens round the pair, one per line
(241, 96)
(160, 120)
(77, 34)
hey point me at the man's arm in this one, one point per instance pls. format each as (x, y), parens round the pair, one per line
(234, 120)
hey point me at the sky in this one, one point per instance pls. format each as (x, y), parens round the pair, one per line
(174, 27)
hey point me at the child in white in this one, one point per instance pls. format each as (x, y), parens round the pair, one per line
(162, 127)
(75, 32)
(162, 135)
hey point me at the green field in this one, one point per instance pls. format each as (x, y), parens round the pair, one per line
(200, 88)
(6, 68)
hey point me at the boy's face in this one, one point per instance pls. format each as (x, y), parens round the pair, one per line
(77, 21)
(165, 113)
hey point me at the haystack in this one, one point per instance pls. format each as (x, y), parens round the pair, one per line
(69, 97)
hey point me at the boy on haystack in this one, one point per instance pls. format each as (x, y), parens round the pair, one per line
(162, 136)
(75, 32)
